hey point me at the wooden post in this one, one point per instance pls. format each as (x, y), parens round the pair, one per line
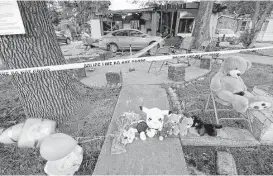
(171, 30)
(177, 23)
(161, 21)
(154, 24)
(101, 26)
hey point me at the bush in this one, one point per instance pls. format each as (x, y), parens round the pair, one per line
(246, 37)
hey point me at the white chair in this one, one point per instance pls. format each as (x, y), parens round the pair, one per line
(215, 99)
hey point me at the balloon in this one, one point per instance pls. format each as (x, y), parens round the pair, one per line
(11, 134)
(35, 131)
(57, 146)
(67, 165)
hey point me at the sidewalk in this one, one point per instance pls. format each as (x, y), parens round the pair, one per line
(268, 60)
(140, 75)
(150, 157)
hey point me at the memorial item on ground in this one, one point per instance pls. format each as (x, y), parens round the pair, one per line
(61, 151)
(228, 86)
(11, 135)
(126, 130)
(171, 126)
(205, 128)
(67, 165)
(184, 126)
(155, 120)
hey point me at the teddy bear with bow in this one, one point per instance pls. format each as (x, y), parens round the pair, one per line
(228, 86)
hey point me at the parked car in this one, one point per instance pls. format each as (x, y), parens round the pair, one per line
(123, 38)
(230, 36)
(62, 38)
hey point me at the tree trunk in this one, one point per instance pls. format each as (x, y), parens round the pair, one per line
(201, 30)
(45, 94)
(257, 23)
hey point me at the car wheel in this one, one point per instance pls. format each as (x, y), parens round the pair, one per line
(68, 41)
(113, 47)
(152, 51)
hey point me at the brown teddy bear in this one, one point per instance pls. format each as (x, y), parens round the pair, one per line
(228, 85)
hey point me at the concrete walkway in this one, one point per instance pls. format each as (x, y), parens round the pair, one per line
(150, 157)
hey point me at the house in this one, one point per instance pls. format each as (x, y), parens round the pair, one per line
(176, 18)
(239, 25)
(233, 23)
(140, 19)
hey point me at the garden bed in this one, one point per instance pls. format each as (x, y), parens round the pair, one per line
(250, 160)
(92, 121)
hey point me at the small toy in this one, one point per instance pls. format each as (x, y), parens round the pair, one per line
(154, 120)
(203, 128)
(129, 136)
(142, 127)
(185, 124)
(174, 120)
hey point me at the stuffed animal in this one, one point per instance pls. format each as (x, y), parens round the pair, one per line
(175, 120)
(171, 126)
(185, 124)
(142, 128)
(154, 120)
(128, 136)
(203, 128)
(228, 86)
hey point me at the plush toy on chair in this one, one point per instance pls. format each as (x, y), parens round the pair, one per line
(228, 86)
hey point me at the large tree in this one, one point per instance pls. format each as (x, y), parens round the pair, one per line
(257, 10)
(201, 30)
(47, 94)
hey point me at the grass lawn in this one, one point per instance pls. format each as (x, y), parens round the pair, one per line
(252, 161)
(92, 121)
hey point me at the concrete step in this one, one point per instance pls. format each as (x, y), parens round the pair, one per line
(227, 136)
(150, 157)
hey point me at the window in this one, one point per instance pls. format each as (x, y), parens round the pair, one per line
(120, 33)
(134, 24)
(243, 26)
(136, 34)
(185, 25)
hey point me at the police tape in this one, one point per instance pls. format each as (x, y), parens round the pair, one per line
(123, 61)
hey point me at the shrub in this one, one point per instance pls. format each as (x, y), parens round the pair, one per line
(246, 37)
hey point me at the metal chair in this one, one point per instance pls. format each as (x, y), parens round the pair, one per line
(185, 46)
(215, 99)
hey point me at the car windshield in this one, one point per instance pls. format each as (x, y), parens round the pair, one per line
(226, 31)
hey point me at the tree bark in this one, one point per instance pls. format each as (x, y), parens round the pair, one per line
(257, 22)
(45, 94)
(201, 30)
